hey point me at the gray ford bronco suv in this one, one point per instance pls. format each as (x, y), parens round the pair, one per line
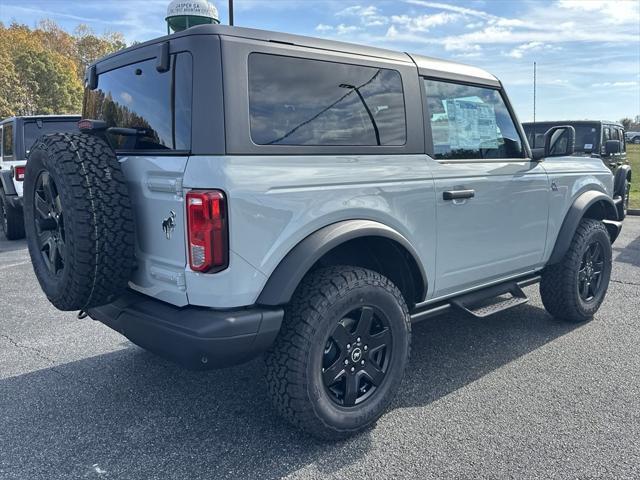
(236, 192)
(17, 135)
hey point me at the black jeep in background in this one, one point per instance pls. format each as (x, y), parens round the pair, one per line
(593, 138)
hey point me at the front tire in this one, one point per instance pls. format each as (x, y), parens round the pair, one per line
(573, 289)
(341, 353)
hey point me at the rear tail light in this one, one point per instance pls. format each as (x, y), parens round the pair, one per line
(207, 231)
(18, 173)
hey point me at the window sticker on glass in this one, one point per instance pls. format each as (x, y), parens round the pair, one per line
(471, 123)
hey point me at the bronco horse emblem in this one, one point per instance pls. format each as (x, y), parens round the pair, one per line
(169, 224)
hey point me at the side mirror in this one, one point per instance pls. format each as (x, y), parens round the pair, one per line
(559, 141)
(611, 147)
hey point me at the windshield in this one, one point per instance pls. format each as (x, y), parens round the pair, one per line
(587, 135)
(35, 129)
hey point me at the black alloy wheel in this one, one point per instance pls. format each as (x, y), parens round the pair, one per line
(590, 273)
(49, 223)
(356, 356)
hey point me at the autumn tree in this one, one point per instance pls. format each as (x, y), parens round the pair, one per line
(43, 68)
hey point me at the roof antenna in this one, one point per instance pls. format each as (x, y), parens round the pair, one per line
(534, 105)
(231, 12)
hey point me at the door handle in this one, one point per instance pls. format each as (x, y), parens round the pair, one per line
(458, 194)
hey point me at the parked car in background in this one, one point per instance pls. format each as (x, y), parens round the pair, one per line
(632, 137)
(594, 138)
(17, 136)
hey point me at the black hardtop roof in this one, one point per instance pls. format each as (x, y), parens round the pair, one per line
(312, 42)
(570, 122)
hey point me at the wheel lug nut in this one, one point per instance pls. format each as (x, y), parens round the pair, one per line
(358, 339)
(353, 369)
(366, 348)
(362, 362)
(346, 362)
(348, 346)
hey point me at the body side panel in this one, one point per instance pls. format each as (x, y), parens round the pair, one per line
(499, 232)
(277, 201)
(570, 177)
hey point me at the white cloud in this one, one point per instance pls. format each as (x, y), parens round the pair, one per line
(616, 84)
(615, 12)
(343, 29)
(369, 16)
(423, 23)
(519, 51)
(452, 8)
(126, 97)
(321, 27)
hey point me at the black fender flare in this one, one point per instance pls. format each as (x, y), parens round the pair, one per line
(294, 266)
(623, 172)
(576, 213)
(6, 181)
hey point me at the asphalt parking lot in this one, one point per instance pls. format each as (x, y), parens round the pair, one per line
(515, 396)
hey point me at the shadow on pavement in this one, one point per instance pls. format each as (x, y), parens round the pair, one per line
(131, 414)
(629, 254)
(11, 245)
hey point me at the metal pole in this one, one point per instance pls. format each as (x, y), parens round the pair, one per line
(534, 92)
(230, 12)
(534, 104)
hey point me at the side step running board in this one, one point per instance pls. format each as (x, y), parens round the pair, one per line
(493, 300)
(480, 303)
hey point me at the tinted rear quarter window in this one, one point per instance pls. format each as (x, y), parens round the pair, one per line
(155, 104)
(7, 141)
(296, 101)
(33, 130)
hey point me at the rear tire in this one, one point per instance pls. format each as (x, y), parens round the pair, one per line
(11, 219)
(627, 194)
(573, 289)
(342, 351)
(78, 220)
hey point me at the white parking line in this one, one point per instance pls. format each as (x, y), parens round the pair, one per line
(5, 267)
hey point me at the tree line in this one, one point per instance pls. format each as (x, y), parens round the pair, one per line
(42, 68)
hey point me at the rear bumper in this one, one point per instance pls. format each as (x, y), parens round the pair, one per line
(195, 337)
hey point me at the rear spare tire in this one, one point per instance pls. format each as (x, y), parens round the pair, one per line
(78, 221)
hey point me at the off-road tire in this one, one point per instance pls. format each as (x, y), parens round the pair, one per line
(98, 220)
(559, 285)
(293, 362)
(11, 219)
(626, 199)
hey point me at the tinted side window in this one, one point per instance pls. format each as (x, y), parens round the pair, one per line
(295, 101)
(7, 141)
(32, 131)
(156, 105)
(470, 122)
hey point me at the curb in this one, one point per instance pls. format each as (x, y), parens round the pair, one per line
(633, 212)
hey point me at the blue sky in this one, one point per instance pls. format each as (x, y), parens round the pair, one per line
(587, 51)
